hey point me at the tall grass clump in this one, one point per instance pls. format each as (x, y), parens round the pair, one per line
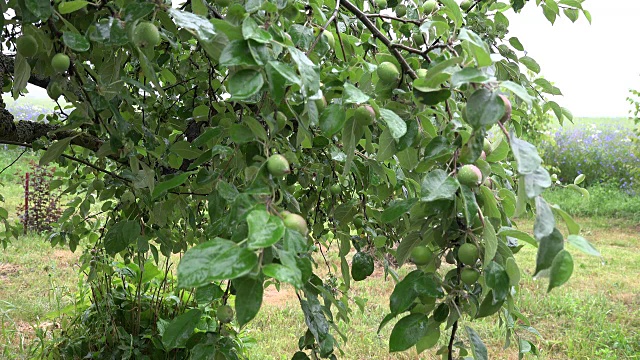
(605, 154)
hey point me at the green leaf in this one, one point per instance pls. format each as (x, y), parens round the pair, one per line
(200, 26)
(21, 75)
(251, 30)
(121, 235)
(582, 191)
(530, 63)
(496, 278)
(395, 124)
(536, 182)
(178, 331)
(572, 225)
(561, 269)
(515, 42)
(307, 70)
(478, 349)
(453, 10)
(520, 235)
(545, 221)
(484, 109)
(468, 75)
(332, 120)
(431, 97)
(438, 185)
(40, 8)
(353, 95)
(264, 229)
(397, 209)
(526, 155)
(284, 274)
(75, 41)
(416, 283)
(386, 146)
(68, 7)
(583, 245)
(250, 291)
(55, 150)
(235, 53)
(430, 339)
(408, 331)
(214, 260)
(518, 90)
(167, 185)
(512, 271)
(488, 307)
(550, 246)
(185, 150)
(245, 83)
(490, 241)
(476, 47)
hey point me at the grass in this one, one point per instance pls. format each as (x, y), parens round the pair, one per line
(599, 121)
(595, 315)
(603, 201)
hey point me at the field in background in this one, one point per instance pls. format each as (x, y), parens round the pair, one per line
(595, 316)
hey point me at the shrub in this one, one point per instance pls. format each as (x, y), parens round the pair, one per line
(604, 154)
(43, 206)
(604, 201)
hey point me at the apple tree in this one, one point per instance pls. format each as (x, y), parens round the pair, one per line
(240, 140)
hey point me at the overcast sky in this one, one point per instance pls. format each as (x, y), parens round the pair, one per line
(593, 65)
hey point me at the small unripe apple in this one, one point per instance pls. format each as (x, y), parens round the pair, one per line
(60, 62)
(418, 39)
(469, 276)
(486, 146)
(468, 254)
(146, 35)
(330, 39)
(401, 10)
(27, 45)
(364, 115)
(278, 165)
(469, 175)
(429, 6)
(224, 314)
(421, 255)
(507, 109)
(295, 222)
(388, 73)
(466, 5)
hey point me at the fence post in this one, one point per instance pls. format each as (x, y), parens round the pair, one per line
(26, 202)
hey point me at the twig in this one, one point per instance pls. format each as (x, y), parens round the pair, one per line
(9, 142)
(454, 328)
(374, 30)
(344, 55)
(324, 27)
(406, 21)
(14, 161)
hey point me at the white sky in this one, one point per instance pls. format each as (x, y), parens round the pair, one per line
(593, 65)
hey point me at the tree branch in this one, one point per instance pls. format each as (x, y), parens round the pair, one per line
(389, 17)
(374, 30)
(6, 66)
(9, 142)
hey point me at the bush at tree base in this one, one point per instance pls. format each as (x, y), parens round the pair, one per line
(41, 206)
(164, 145)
